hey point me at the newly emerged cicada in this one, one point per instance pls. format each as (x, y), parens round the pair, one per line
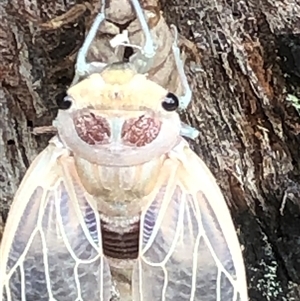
(119, 198)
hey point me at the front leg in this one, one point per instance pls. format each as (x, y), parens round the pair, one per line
(143, 59)
(82, 67)
(186, 98)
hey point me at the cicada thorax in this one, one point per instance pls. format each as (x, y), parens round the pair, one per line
(120, 193)
(119, 133)
(121, 188)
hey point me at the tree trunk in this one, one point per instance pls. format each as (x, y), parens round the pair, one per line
(245, 105)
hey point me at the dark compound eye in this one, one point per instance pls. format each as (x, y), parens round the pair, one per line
(64, 102)
(171, 102)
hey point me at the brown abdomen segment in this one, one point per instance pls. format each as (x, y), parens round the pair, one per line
(118, 241)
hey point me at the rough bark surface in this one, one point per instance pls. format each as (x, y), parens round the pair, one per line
(245, 86)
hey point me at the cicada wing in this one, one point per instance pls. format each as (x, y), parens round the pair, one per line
(188, 245)
(52, 245)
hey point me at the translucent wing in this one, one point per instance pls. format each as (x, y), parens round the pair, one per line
(52, 246)
(189, 248)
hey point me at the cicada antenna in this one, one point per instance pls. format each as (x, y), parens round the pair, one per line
(82, 67)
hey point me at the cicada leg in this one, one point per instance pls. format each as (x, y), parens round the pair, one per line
(143, 59)
(82, 67)
(186, 98)
(188, 131)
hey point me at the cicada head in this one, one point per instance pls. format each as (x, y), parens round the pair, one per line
(118, 117)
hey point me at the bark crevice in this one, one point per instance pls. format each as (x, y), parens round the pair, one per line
(244, 71)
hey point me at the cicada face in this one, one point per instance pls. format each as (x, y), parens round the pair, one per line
(119, 112)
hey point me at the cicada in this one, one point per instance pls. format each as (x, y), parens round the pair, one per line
(119, 198)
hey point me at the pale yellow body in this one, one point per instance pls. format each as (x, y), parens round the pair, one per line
(188, 249)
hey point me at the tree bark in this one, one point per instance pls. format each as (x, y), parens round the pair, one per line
(245, 89)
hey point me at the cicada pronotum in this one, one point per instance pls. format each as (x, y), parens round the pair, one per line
(117, 192)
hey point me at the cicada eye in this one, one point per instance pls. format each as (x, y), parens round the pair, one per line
(171, 102)
(64, 103)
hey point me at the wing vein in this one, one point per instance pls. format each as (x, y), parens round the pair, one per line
(22, 283)
(23, 254)
(218, 262)
(46, 264)
(67, 244)
(195, 253)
